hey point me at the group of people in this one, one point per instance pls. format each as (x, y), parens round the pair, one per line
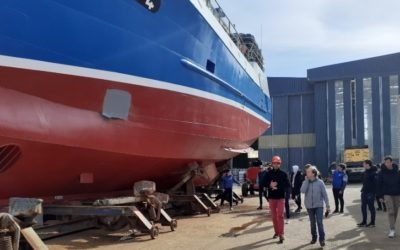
(381, 183)
(278, 187)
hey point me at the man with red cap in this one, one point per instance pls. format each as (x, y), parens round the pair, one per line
(277, 182)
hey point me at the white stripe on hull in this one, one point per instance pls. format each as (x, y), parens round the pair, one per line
(30, 64)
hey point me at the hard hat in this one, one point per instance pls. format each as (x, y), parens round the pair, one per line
(276, 159)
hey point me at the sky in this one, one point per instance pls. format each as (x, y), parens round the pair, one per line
(296, 35)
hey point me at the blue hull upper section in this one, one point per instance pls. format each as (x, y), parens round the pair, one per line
(171, 45)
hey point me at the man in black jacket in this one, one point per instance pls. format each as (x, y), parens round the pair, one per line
(296, 180)
(389, 188)
(261, 185)
(368, 192)
(277, 182)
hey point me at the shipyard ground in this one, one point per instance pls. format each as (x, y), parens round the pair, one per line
(247, 228)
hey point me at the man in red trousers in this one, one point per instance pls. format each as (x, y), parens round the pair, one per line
(277, 182)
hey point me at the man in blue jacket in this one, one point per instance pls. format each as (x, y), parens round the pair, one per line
(227, 184)
(339, 182)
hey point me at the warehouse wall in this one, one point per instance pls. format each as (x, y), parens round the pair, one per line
(291, 135)
(306, 113)
(384, 95)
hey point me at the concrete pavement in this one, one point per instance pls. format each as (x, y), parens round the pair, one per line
(248, 228)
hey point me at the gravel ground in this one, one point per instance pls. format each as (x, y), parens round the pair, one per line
(247, 228)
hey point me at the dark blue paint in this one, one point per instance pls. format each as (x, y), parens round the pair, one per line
(377, 141)
(280, 121)
(321, 130)
(122, 36)
(347, 113)
(375, 66)
(309, 157)
(294, 118)
(387, 143)
(284, 154)
(295, 157)
(289, 86)
(308, 113)
(332, 121)
(360, 111)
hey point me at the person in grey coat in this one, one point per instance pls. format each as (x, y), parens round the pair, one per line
(314, 199)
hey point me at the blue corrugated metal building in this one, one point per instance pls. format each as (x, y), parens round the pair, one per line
(349, 104)
(292, 134)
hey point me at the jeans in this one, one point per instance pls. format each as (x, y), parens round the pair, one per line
(227, 195)
(276, 206)
(392, 204)
(368, 199)
(338, 198)
(316, 216)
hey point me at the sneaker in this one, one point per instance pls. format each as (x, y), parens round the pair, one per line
(362, 224)
(287, 221)
(322, 243)
(259, 208)
(341, 212)
(391, 233)
(313, 242)
(281, 239)
(379, 209)
(275, 236)
(370, 225)
(298, 210)
(231, 208)
(336, 211)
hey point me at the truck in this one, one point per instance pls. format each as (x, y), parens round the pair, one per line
(353, 158)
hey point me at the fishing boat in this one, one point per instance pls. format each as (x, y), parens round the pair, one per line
(98, 94)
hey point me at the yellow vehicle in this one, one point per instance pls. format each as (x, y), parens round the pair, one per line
(354, 157)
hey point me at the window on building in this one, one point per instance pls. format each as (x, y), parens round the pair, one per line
(395, 116)
(339, 105)
(353, 111)
(368, 123)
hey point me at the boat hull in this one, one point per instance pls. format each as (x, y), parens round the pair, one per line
(192, 95)
(56, 121)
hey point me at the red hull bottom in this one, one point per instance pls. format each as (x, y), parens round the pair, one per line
(55, 120)
(57, 170)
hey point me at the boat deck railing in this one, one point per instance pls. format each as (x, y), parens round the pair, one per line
(248, 48)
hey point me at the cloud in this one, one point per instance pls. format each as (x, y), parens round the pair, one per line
(297, 35)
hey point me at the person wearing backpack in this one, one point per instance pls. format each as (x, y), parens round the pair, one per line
(339, 182)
